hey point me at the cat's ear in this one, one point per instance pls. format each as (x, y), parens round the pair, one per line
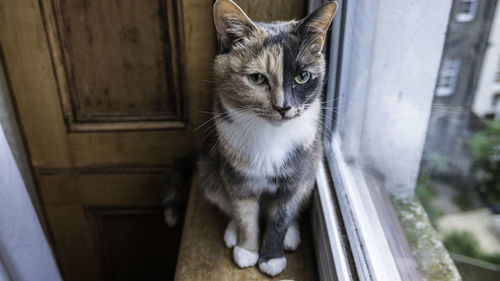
(314, 27)
(231, 22)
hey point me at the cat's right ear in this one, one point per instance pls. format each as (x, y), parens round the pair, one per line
(231, 22)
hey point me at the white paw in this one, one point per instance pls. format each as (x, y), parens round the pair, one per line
(273, 267)
(292, 237)
(244, 258)
(230, 235)
(170, 217)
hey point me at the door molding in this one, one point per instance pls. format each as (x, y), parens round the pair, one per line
(74, 93)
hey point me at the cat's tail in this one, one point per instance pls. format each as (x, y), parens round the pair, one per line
(174, 180)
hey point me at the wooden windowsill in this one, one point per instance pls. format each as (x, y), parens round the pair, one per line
(203, 256)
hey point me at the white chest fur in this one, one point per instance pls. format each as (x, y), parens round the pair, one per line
(265, 147)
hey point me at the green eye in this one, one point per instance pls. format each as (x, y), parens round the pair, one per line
(257, 78)
(303, 77)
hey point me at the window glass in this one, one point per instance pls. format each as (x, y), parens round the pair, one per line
(465, 7)
(447, 79)
(459, 178)
(416, 136)
(466, 10)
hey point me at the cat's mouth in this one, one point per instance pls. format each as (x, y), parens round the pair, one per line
(275, 119)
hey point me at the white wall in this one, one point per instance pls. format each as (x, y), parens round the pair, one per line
(24, 251)
(406, 56)
(391, 67)
(488, 87)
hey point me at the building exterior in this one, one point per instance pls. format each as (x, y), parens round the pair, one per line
(487, 98)
(452, 120)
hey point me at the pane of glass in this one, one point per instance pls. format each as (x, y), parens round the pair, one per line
(458, 183)
(466, 10)
(465, 7)
(459, 179)
(444, 81)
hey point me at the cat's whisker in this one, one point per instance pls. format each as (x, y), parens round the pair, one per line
(242, 110)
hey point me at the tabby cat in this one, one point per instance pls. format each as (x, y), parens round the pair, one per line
(262, 149)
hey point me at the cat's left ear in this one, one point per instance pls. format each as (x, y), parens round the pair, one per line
(231, 22)
(314, 27)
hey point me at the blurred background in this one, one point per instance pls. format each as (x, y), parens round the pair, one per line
(459, 181)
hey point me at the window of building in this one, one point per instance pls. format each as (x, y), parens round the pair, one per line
(466, 10)
(447, 77)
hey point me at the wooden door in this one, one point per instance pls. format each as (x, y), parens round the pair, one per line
(107, 94)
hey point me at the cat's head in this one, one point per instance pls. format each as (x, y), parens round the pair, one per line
(273, 70)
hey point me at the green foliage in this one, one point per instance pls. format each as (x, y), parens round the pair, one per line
(493, 258)
(437, 163)
(426, 194)
(441, 163)
(463, 243)
(464, 200)
(485, 152)
(466, 244)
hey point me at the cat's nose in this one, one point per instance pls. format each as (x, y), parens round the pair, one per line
(281, 110)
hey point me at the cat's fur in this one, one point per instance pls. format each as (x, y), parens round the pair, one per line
(259, 159)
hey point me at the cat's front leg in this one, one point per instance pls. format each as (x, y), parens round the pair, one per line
(272, 255)
(246, 215)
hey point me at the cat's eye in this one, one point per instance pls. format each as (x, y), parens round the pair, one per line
(257, 78)
(303, 77)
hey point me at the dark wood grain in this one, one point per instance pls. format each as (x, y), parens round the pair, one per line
(110, 226)
(117, 63)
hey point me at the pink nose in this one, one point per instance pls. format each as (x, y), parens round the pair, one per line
(281, 110)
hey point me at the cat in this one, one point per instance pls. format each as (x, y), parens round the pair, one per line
(263, 146)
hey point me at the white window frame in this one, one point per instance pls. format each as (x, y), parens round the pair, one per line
(377, 89)
(469, 15)
(450, 69)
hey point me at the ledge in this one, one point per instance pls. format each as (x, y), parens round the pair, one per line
(203, 256)
(434, 261)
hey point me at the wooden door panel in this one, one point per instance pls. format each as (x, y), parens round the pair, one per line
(109, 226)
(36, 68)
(128, 148)
(127, 38)
(73, 244)
(139, 231)
(117, 63)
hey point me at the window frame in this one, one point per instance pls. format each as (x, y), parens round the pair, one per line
(450, 68)
(466, 16)
(363, 238)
